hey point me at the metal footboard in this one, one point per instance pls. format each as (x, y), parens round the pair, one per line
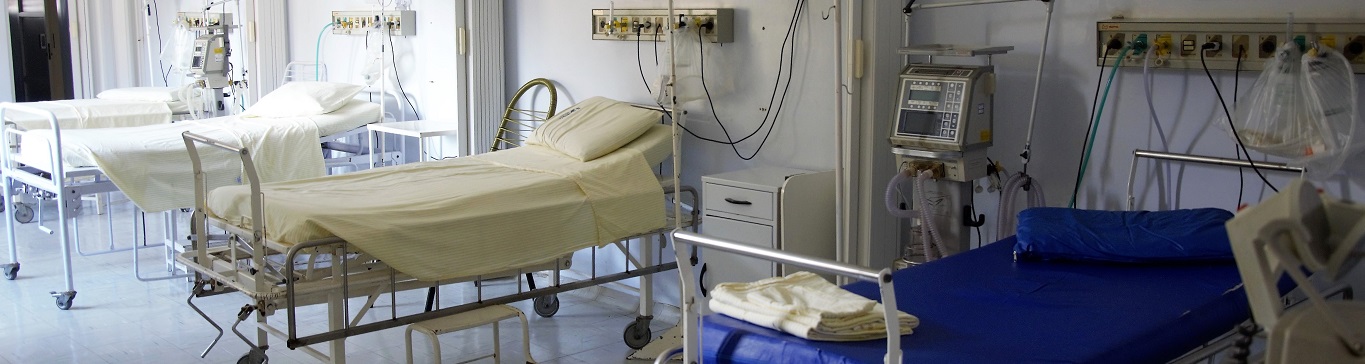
(691, 339)
(284, 277)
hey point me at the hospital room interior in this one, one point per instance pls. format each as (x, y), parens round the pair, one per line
(698, 181)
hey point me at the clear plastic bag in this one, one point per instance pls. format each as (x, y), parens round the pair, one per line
(1331, 94)
(1302, 108)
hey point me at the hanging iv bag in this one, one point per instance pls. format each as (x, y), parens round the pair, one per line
(1302, 107)
(687, 84)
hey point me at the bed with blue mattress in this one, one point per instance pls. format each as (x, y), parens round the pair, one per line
(982, 306)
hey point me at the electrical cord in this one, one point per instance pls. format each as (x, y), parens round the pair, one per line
(1231, 124)
(1147, 81)
(160, 43)
(1236, 89)
(399, 80)
(791, 65)
(641, 64)
(1094, 125)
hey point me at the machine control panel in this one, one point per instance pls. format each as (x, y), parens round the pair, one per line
(944, 107)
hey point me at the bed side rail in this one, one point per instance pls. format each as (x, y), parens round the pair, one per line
(691, 340)
(12, 133)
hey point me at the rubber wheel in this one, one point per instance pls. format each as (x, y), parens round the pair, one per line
(636, 336)
(12, 272)
(23, 213)
(64, 301)
(253, 357)
(546, 306)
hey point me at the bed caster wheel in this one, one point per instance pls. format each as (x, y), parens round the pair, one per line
(637, 334)
(64, 299)
(11, 270)
(546, 306)
(23, 213)
(255, 356)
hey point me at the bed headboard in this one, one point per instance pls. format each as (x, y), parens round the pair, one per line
(517, 123)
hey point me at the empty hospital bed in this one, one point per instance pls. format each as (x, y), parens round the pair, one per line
(115, 108)
(982, 306)
(149, 164)
(419, 225)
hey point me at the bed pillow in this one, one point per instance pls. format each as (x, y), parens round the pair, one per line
(158, 94)
(593, 128)
(1050, 233)
(303, 98)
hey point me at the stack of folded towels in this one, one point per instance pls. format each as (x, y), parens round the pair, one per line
(805, 305)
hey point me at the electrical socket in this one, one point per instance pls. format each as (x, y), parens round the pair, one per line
(1216, 39)
(1268, 44)
(1120, 38)
(1239, 46)
(1354, 49)
(1187, 45)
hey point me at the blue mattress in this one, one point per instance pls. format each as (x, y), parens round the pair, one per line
(983, 307)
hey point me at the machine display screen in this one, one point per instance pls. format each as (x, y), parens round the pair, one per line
(914, 122)
(919, 95)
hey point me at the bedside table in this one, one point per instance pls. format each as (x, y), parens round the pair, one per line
(778, 208)
(420, 129)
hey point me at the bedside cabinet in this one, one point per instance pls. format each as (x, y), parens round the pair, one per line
(778, 208)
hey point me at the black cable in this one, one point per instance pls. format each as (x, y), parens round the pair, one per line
(399, 80)
(775, 113)
(1236, 88)
(641, 64)
(1090, 127)
(160, 42)
(1233, 125)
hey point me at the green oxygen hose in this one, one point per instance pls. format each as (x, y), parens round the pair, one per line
(317, 53)
(1095, 125)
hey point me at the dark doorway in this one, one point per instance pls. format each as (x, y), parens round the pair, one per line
(39, 38)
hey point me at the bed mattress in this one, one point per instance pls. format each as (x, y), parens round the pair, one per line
(151, 166)
(983, 307)
(466, 216)
(94, 113)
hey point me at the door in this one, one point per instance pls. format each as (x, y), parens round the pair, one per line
(38, 39)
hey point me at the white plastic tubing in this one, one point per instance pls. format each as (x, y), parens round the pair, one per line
(1004, 222)
(933, 248)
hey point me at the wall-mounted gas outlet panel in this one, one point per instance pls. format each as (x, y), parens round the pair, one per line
(397, 22)
(1177, 43)
(198, 21)
(715, 25)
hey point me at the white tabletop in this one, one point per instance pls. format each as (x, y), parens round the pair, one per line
(418, 128)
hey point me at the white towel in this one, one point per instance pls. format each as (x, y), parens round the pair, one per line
(805, 305)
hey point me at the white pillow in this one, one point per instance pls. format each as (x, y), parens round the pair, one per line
(303, 98)
(593, 128)
(161, 94)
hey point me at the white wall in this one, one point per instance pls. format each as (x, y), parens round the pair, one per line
(549, 39)
(426, 61)
(1184, 100)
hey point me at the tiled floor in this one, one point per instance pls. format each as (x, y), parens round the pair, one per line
(118, 319)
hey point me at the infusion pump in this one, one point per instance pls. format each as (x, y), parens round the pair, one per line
(944, 107)
(208, 61)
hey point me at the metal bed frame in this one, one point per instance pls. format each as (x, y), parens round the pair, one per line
(277, 276)
(67, 186)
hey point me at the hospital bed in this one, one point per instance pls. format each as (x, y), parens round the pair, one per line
(419, 225)
(983, 306)
(116, 108)
(149, 164)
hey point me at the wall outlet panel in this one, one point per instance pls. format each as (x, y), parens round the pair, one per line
(197, 21)
(653, 24)
(397, 22)
(1257, 37)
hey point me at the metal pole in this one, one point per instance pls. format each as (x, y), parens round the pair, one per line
(1037, 84)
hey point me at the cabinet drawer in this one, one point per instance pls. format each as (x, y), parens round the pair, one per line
(727, 267)
(739, 201)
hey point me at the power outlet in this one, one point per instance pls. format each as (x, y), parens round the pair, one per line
(1188, 45)
(1354, 49)
(653, 24)
(1239, 46)
(1268, 44)
(1118, 39)
(1215, 39)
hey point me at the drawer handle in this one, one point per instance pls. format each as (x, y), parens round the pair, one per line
(738, 202)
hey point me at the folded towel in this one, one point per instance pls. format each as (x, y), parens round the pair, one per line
(805, 305)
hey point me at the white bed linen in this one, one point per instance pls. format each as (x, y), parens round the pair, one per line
(151, 166)
(466, 216)
(93, 113)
